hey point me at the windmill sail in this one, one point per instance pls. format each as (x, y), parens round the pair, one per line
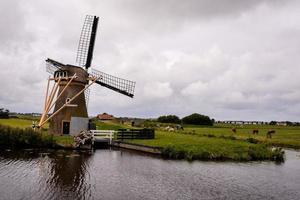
(52, 66)
(86, 42)
(120, 85)
(87, 96)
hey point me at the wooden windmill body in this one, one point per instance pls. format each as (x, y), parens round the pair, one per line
(68, 97)
(73, 117)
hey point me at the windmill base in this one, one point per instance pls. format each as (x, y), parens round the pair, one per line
(78, 124)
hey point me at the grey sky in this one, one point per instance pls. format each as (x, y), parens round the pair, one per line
(229, 59)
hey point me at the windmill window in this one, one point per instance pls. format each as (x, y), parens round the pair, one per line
(58, 74)
(68, 100)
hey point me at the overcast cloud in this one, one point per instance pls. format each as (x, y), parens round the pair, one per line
(229, 59)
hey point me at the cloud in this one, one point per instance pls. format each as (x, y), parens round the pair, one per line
(14, 35)
(157, 90)
(227, 59)
(196, 89)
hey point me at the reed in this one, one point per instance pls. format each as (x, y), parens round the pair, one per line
(11, 137)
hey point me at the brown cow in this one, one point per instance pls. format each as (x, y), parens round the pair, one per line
(233, 130)
(270, 132)
(255, 132)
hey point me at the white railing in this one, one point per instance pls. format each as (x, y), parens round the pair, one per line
(103, 134)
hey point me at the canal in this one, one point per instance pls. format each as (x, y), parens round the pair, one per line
(115, 174)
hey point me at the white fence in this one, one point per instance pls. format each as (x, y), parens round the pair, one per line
(101, 135)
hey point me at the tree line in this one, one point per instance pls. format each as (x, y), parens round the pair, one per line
(194, 119)
(4, 113)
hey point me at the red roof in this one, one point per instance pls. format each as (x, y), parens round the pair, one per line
(105, 116)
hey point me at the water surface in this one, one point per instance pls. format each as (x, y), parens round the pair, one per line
(113, 174)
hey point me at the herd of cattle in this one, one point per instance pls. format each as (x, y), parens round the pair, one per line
(254, 132)
(173, 128)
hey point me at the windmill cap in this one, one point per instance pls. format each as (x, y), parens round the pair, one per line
(81, 74)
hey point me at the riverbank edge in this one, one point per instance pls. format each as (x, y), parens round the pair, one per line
(150, 150)
(137, 147)
(163, 152)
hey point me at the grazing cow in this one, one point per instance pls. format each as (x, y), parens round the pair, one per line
(255, 132)
(169, 128)
(178, 127)
(269, 133)
(233, 130)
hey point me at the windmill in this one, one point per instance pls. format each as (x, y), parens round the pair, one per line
(68, 97)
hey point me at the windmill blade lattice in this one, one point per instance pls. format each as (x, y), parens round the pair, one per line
(87, 96)
(85, 40)
(117, 84)
(52, 66)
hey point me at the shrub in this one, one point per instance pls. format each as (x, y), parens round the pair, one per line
(4, 113)
(197, 119)
(253, 153)
(258, 152)
(23, 138)
(261, 152)
(210, 135)
(229, 137)
(252, 140)
(173, 152)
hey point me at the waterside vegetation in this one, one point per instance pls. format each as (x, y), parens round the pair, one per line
(18, 133)
(14, 138)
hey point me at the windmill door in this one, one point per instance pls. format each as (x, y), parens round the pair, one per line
(66, 127)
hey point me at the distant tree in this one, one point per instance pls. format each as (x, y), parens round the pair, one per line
(273, 123)
(4, 113)
(297, 124)
(197, 119)
(288, 123)
(169, 119)
(213, 120)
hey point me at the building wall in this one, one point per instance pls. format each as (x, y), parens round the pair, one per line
(78, 124)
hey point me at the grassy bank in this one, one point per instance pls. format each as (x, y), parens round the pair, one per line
(17, 133)
(195, 147)
(13, 137)
(65, 141)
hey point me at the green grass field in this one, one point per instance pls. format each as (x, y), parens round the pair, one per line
(109, 125)
(20, 123)
(285, 136)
